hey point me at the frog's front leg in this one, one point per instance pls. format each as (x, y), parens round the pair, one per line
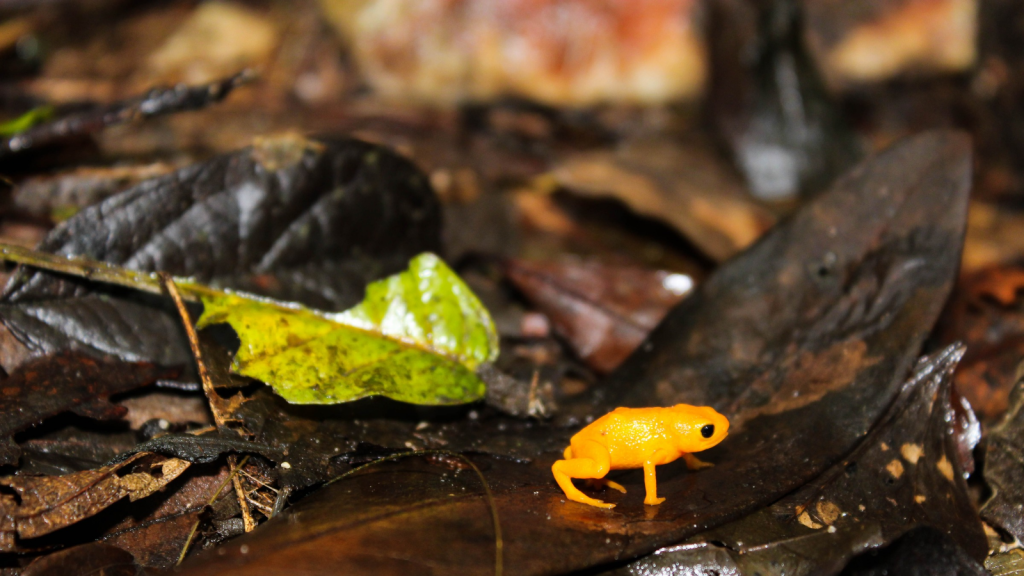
(694, 463)
(651, 480)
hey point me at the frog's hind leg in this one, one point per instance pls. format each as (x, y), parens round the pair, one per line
(604, 482)
(592, 461)
(694, 463)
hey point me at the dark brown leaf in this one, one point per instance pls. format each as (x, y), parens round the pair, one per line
(904, 474)
(604, 311)
(804, 341)
(921, 552)
(156, 531)
(40, 505)
(1003, 470)
(93, 559)
(66, 382)
(293, 218)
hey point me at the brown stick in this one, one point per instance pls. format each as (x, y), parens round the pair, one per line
(211, 394)
(193, 342)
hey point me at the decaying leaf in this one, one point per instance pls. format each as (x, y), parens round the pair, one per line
(1003, 470)
(683, 185)
(158, 528)
(418, 336)
(904, 474)
(879, 39)
(96, 558)
(604, 311)
(987, 315)
(66, 382)
(323, 218)
(855, 279)
(44, 504)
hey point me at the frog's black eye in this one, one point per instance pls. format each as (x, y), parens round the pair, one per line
(708, 430)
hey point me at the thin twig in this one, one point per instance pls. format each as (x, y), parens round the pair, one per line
(192, 533)
(155, 102)
(499, 544)
(243, 502)
(211, 393)
(193, 342)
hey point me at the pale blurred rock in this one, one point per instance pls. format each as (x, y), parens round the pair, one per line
(561, 52)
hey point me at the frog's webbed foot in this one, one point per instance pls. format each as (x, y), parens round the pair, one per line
(694, 463)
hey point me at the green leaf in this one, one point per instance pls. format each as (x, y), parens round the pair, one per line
(417, 336)
(25, 121)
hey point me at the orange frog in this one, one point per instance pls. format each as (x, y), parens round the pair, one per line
(638, 437)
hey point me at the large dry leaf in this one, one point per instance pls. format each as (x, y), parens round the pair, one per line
(44, 504)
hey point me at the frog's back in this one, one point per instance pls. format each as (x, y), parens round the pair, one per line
(630, 435)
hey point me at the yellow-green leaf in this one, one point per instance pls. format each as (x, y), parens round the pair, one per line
(26, 121)
(418, 336)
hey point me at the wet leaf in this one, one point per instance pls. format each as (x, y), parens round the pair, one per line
(48, 503)
(95, 558)
(904, 474)
(604, 311)
(803, 341)
(322, 219)
(67, 382)
(1003, 471)
(924, 551)
(417, 337)
(202, 448)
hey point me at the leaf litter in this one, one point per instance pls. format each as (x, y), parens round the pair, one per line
(773, 380)
(860, 313)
